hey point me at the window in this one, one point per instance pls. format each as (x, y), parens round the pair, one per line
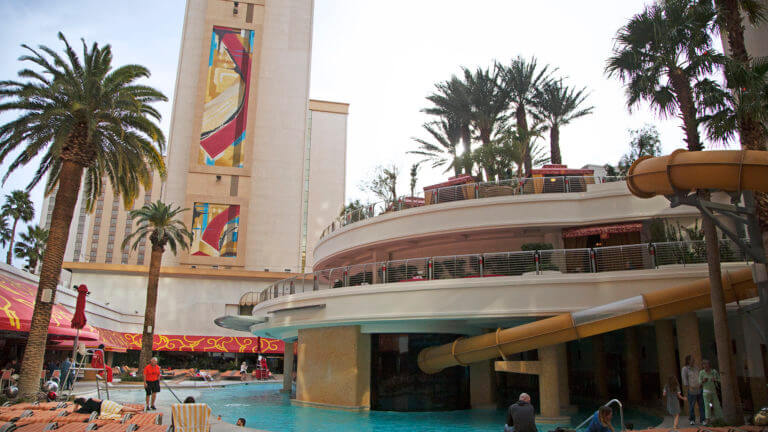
(111, 238)
(109, 255)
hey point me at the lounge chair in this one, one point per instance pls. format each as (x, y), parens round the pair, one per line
(29, 427)
(14, 415)
(74, 427)
(191, 417)
(155, 428)
(230, 374)
(145, 419)
(73, 417)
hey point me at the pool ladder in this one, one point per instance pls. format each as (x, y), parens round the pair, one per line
(609, 403)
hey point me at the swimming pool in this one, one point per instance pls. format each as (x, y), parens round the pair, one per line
(264, 407)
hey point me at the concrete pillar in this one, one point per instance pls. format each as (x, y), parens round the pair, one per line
(288, 368)
(334, 368)
(688, 341)
(601, 367)
(549, 382)
(665, 348)
(632, 362)
(481, 388)
(562, 371)
(754, 359)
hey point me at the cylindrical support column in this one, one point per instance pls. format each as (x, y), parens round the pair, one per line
(481, 384)
(601, 367)
(632, 361)
(549, 386)
(688, 341)
(665, 349)
(562, 371)
(754, 358)
(288, 368)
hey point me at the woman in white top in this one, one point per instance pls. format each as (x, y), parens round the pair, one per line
(243, 371)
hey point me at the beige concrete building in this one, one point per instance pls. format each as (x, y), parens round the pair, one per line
(247, 147)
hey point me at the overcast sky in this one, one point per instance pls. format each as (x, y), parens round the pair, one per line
(381, 57)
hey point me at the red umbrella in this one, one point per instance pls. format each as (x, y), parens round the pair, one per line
(78, 319)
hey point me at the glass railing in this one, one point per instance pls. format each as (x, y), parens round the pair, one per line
(644, 256)
(470, 191)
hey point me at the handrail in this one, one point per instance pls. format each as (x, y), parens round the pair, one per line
(621, 414)
(470, 191)
(641, 256)
(171, 390)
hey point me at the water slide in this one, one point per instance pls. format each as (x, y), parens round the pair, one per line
(681, 171)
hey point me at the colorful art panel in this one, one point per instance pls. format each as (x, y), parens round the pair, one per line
(215, 227)
(225, 107)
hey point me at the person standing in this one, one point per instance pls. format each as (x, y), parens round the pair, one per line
(521, 416)
(97, 362)
(710, 379)
(243, 371)
(692, 385)
(67, 374)
(672, 397)
(152, 382)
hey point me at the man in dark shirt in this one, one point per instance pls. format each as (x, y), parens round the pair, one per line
(520, 416)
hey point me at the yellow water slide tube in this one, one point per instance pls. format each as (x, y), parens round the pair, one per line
(737, 285)
(684, 171)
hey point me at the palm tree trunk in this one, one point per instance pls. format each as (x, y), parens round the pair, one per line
(10, 243)
(149, 310)
(732, 412)
(554, 145)
(729, 11)
(61, 218)
(466, 138)
(522, 131)
(731, 408)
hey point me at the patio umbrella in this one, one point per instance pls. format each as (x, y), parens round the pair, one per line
(78, 318)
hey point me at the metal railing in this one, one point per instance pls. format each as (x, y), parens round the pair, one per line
(470, 191)
(610, 402)
(643, 256)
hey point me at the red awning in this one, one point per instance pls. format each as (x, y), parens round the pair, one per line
(452, 181)
(119, 341)
(602, 229)
(17, 301)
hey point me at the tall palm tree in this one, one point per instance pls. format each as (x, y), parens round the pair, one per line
(521, 79)
(451, 103)
(17, 206)
(86, 122)
(558, 105)
(159, 222)
(664, 55)
(31, 246)
(446, 134)
(5, 232)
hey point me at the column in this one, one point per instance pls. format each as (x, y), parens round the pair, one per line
(632, 361)
(481, 385)
(549, 385)
(562, 371)
(288, 367)
(754, 358)
(601, 367)
(688, 342)
(665, 348)
(334, 368)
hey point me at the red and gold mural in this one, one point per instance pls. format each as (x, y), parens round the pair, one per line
(225, 107)
(215, 228)
(121, 341)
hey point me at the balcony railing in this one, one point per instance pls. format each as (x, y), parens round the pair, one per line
(644, 256)
(470, 191)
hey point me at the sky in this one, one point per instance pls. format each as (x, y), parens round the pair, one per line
(383, 58)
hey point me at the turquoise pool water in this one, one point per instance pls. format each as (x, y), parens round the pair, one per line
(264, 407)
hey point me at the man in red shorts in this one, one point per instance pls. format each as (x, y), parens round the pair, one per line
(152, 382)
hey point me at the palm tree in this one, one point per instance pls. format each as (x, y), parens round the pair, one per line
(157, 221)
(446, 134)
(521, 79)
(31, 246)
(451, 103)
(86, 122)
(664, 55)
(729, 21)
(5, 232)
(506, 155)
(17, 206)
(558, 105)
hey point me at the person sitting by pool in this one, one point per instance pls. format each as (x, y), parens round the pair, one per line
(189, 399)
(106, 409)
(241, 422)
(521, 416)
(601, 421)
